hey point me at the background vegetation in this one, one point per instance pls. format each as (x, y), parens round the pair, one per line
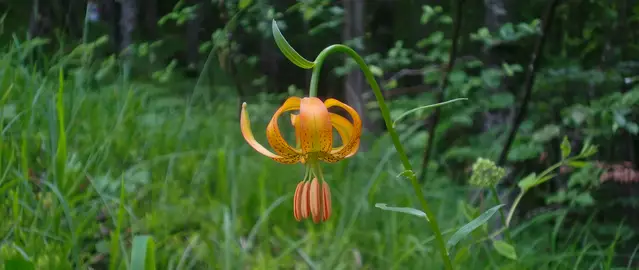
(120, 119)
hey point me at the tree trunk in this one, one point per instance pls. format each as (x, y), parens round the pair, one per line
(40, 21)
(354, 83)
(150, 15)
(127, 26)
(193, 34)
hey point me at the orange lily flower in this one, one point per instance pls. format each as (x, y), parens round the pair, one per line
(314, 135)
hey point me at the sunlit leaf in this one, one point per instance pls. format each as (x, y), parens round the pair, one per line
(406, 210)
(242, 4)
(505, 249)
(528, 182)
(143, 253)
(565, 148)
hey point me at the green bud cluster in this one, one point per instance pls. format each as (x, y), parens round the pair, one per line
(486, 173)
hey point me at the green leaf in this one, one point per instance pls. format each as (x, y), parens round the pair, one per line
(528, 182)
(471, 226)
(288, 51)
(425, 107)
(462, 255)
(578, 164)
(505, 249)
(406, 210)
(544, 179)
(632, 127)
(546, 134)
(501, 100)
(143, 253)
(565, 148)
(18, 263)
(584, 199)
(244, 4)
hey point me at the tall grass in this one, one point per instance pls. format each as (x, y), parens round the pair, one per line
(86, 167)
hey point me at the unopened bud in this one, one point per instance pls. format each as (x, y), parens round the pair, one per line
(486, 173)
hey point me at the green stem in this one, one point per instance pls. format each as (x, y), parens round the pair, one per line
(512, 208)
(394, 136)
(493, 190)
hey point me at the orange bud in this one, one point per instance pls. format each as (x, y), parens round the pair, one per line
(297, 201)
(311, 200)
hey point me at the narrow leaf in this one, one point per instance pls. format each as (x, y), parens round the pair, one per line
(565, 148)
(471, 226)
(505, 249)
(425, 107)
(406, 210)
(462, 255)
(244, 4)
(528, 182)
(143, 253)
(544, 179)
(578, 164)
(287, 50)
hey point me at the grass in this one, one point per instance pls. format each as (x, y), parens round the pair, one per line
(86, 167)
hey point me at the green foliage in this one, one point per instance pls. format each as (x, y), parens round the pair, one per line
(97, 171)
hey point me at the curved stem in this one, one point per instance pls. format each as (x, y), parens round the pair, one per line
(389, 125)
(513, 207)
(493, 190)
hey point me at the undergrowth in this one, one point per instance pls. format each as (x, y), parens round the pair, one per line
(86, 165)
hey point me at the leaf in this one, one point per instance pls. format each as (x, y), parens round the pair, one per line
(471, 226)
(565, 148)
(406, 210)
(244, 4)
(462, 255)
(143, 253)
(425, 107)
(545, 134)
(544, 179)
(578, 164)
(287, 50)
(505, 249)
(18, 263)
(633, 128)
(584, 199)
(501, 100)
(528, 182)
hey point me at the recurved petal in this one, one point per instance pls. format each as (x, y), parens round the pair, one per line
(314, 125)
(351, 144)
(245, 126)
(273, 134)
(345, 130)
(294, 122)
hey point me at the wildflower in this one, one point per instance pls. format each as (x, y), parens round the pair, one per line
(314, 136)
(486, 173)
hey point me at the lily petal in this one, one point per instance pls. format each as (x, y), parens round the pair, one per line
(273, 134)
(245, 125)
(294, 122)
(314, 125)
(343, 126)
(352, 144)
